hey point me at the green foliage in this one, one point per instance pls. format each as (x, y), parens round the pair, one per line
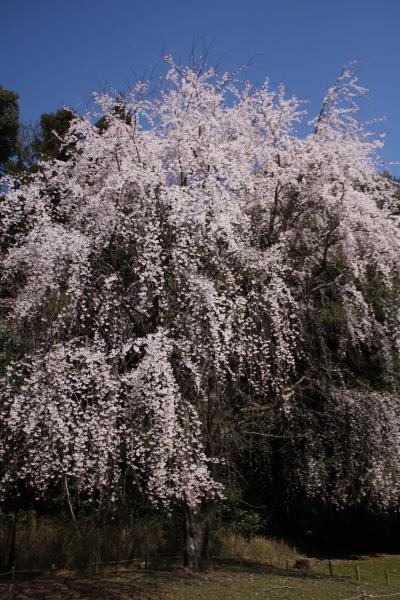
(52, 129)
(23, 144)
(9, 125)
(245, 521)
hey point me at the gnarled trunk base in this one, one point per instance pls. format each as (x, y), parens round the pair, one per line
(198, 537)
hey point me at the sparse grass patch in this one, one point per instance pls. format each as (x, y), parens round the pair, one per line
(235, 546)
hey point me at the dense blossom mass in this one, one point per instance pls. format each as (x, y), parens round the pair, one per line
(192, 265)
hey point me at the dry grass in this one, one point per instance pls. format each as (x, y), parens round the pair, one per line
(235, 546)
(42, 542)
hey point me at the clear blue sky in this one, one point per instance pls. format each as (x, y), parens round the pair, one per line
(56, 52)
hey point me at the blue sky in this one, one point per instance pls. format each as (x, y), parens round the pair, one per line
(55, 53)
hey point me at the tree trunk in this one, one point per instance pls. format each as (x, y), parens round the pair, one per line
(191, 548)
(208, 522)
(199, 522)
(198, 536)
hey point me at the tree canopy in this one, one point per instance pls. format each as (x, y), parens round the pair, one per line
(198, 284)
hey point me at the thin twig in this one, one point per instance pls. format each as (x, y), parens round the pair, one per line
(70, 503)
(281, 587)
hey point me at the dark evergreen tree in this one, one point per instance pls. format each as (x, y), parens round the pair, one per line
(52, 129)
(9, 125)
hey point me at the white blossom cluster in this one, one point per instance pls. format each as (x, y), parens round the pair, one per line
(352, 454)
(172, 265)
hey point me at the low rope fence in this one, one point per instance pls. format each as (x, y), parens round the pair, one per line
(96, 564)
(364, 596)
(332, 569)
(13, 594)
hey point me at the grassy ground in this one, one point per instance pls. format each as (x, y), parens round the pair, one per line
(227, 582)
(263, 582)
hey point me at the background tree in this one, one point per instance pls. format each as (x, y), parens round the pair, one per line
(9, 125)
(48, 142)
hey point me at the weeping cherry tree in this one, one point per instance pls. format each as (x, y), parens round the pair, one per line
(193, 270)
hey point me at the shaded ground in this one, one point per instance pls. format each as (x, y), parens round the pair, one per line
(111, 587)
(124, 585)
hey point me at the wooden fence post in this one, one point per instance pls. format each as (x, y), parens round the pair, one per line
(358, 575)
(387, 576)
(330, 568)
